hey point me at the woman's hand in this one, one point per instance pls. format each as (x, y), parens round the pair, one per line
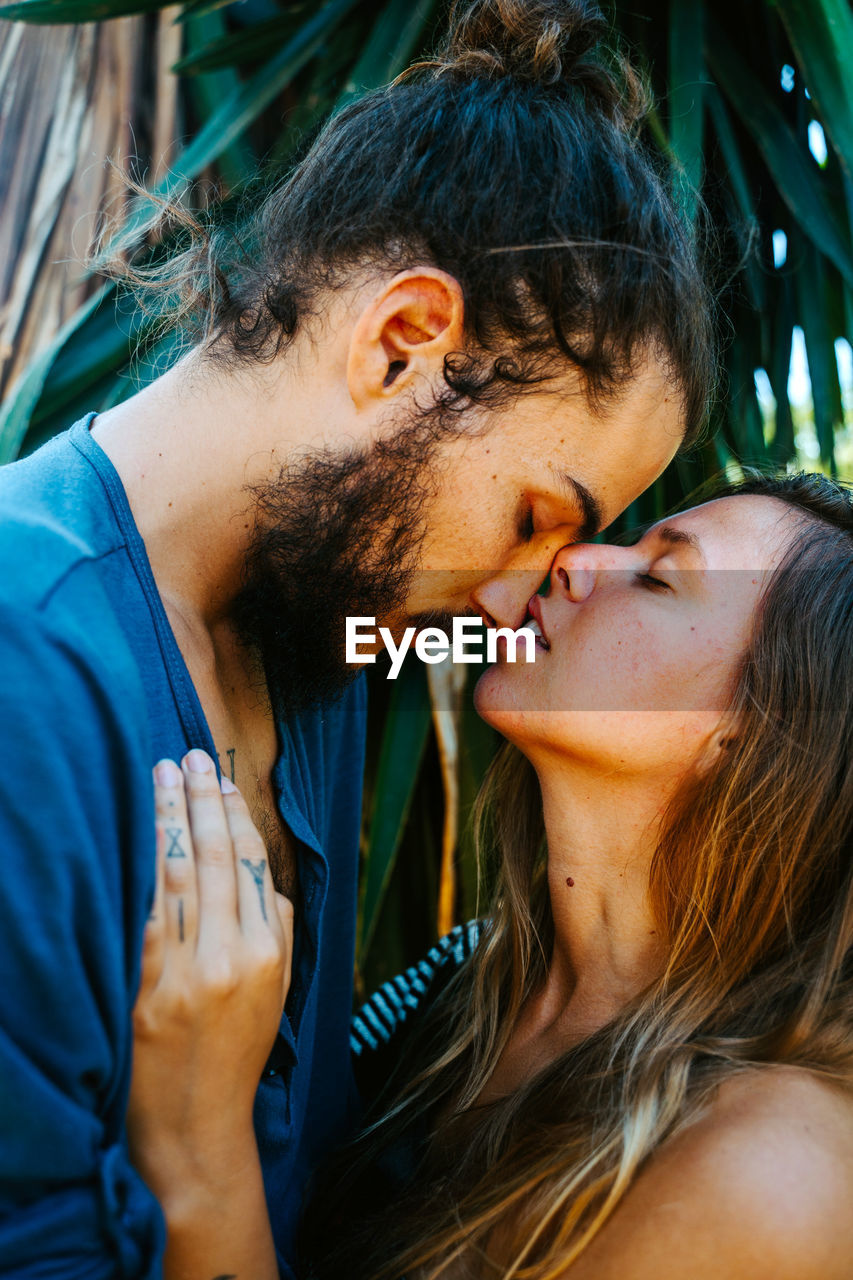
(215, 974)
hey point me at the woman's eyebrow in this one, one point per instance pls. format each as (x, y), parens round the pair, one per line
(680, 537)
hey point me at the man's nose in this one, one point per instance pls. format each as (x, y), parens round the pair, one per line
(501, 600)
(578, 568)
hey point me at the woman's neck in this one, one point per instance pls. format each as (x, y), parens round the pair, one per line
(600, 836)
(606, 949)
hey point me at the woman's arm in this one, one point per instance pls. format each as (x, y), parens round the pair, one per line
(216, 969)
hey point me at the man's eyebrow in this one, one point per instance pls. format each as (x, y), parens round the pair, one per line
(593, 517)
(679, 537)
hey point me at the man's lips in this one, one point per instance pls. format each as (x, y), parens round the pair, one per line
(534, 622)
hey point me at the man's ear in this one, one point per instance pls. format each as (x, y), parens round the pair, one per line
(403, 332)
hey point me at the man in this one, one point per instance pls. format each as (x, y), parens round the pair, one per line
(468, 329)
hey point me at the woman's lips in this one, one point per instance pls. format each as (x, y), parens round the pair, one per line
(534, 622)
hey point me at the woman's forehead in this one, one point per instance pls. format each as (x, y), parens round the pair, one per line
(744, 531)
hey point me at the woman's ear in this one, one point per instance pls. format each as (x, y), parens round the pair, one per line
(720, 744)
(403, 332)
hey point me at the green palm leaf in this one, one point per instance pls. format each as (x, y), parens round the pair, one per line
(686, 79)
(389, 46)
(51, 12)
(403, 742)
(232, 48)
(821, 32)
(798, 179)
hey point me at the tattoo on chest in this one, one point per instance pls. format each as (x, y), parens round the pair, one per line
(229, 772)
(257, 869)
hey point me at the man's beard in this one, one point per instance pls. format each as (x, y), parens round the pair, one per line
(337, 535)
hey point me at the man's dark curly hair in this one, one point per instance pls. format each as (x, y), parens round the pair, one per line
(512, 160)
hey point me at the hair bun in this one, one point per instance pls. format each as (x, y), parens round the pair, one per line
(545, 42)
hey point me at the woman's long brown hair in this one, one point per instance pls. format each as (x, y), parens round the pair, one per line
(752, 882)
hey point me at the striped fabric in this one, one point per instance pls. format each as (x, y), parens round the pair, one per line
(396, 1000)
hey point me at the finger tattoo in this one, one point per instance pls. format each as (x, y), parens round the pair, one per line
(181, 919)
(257, 870)
(175, 849)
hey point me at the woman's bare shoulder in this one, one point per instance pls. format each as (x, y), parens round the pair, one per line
(762, 1095)
(759, 1187)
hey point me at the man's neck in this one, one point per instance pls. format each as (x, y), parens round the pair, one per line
(186, 449)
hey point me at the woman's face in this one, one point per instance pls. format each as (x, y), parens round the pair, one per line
(640, 645)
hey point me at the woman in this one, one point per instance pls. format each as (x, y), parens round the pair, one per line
(646, 1068)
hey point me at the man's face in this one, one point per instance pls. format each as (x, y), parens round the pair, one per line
(548, 471)
(408, 529)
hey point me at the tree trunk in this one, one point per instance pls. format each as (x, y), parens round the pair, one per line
(72, 97)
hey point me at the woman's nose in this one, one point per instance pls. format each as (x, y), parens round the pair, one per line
(577, 567)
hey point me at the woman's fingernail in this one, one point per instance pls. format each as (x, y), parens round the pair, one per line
(227, 786)
(167, 774)
(198, 761)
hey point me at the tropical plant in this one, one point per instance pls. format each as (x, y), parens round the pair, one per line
(753, 106)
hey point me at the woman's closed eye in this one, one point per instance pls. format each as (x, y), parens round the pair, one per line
(653, 583)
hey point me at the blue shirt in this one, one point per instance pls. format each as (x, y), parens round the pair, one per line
(93, 691)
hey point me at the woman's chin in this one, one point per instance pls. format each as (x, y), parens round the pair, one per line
(490, 694)
(501, 697)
